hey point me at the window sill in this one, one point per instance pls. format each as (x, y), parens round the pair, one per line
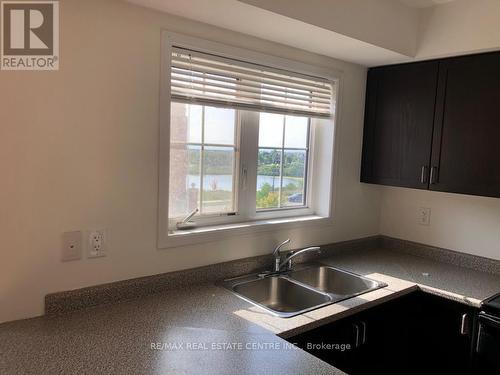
(177, 238)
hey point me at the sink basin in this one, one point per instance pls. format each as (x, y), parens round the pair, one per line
(334, 281)
(281, 296)
(295, 292)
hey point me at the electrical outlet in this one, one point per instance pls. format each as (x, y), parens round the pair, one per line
(424, 216)
(97, 244)
(71, 247)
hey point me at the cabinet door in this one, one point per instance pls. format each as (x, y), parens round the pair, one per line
(336, 343)
(416, 334)
(465, 155)
(398, 129)
(413, 334)
(391, 332)
(446, 331)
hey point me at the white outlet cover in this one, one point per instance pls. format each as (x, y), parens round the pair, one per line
(424, 216)
(71, 246)
(96, 246)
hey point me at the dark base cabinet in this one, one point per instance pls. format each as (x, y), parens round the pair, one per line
(487, 345)
(334, 343)
(414, 334)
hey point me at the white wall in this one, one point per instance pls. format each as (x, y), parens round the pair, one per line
(459, 27)
(79, 150)
(459, 222)
(385, 23)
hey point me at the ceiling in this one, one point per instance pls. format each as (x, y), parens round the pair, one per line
(424, 3)
(368, 33)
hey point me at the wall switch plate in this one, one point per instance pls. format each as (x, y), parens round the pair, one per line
(96, 243)
(424, 216)
(71, 246)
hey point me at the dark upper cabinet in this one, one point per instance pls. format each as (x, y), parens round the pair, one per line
(398, 124)
(466, 155)
(435, 125)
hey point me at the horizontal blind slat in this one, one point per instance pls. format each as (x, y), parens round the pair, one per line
(248, 65)
(189, 63)
(212, 80)
(176, 72)
(236, 75)
(197, 85)
(253, 99)
(261, 108)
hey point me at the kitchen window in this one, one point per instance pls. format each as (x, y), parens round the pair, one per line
(204, 148)
(282, 161)
(246, 142)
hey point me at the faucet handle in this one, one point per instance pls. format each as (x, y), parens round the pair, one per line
(277, 255)
(278, 248)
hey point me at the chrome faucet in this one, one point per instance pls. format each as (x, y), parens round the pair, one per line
(279, 264)
(277, 255)
(292, 254)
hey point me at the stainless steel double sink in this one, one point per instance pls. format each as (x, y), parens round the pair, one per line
(298, 291)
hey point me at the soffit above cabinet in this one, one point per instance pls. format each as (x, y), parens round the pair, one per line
(262, 23)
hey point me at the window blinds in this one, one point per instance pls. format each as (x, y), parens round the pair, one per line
(212, 80)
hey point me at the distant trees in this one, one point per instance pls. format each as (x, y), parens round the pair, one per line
(221, 162)
(270, 163)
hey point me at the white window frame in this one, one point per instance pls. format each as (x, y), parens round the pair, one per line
(215, 228)
(283, 212)
(215, 219)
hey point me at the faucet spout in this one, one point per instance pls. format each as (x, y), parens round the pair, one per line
(294, 254)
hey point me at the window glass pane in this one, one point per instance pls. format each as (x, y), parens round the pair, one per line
(268, 178)
(219, 125)
(185, 123)
(204, 175)
(218, 180)
(184, 180)
(296, 132)
(271, 130)
(294, 169)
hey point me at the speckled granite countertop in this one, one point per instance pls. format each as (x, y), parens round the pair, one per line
(206, 329)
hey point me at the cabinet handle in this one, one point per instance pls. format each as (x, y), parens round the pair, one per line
(423, 174)
(357, 336)
(479, 338)
(363, 334)
(433, 178)
(464, 325)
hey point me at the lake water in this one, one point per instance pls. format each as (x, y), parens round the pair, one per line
(224, 182)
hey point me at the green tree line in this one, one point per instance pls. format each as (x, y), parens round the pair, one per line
(269, 163)
(221, 162)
